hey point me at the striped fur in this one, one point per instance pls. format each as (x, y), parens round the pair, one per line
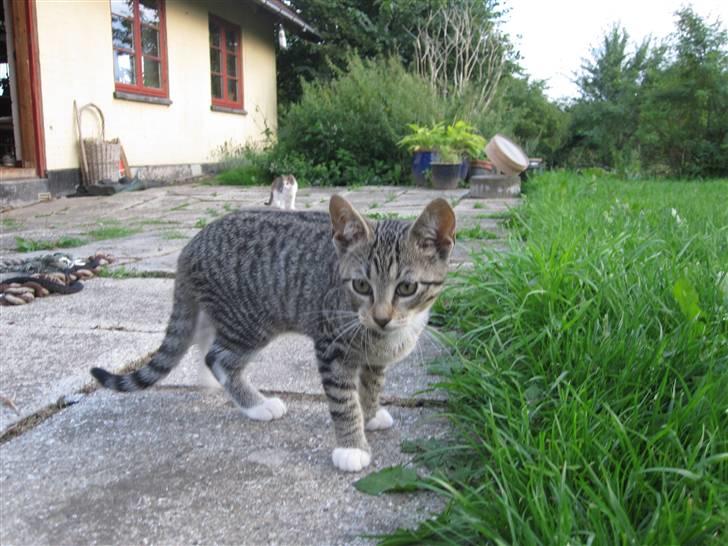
(256, 274)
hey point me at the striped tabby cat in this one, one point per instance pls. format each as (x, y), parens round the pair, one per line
(363, 297)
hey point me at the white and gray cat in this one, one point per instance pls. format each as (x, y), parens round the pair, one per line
(363, 296)
(283, 192)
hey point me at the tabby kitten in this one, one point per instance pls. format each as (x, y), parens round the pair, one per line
(283, 192)
(363, 297)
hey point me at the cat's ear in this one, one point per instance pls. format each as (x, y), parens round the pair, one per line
(349, 226)
(434, 231)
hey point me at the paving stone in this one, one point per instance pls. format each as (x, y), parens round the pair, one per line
(185, 467)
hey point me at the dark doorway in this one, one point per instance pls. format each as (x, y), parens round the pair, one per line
(21, 140)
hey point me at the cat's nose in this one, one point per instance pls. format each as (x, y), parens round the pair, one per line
(382, 321)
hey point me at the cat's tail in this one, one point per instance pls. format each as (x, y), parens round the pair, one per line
(178, 338)
(270, 199)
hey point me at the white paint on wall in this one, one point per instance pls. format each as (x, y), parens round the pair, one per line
(76, 63)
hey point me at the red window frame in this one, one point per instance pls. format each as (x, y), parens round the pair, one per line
(225, 28)
(139, 88)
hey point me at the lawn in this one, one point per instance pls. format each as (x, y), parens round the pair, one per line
(589, 395)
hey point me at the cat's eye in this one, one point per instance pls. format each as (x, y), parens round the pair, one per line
(406, 289)
(361, 287)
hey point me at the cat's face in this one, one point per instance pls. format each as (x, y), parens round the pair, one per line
(393, 270)
(288, 182)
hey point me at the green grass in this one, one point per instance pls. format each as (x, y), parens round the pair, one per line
(122, 272)
(475, 232)
(383, 215)
(104, 232)
(589, 395)
(173, 234)
(30, 245)
(108, 229)
(245, 175)
(11, 223)
(153, 222)
(200, 222)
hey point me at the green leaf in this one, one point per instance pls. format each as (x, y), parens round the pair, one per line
(687, 298)
(395, 479)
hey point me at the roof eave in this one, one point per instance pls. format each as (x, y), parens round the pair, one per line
(284, 12)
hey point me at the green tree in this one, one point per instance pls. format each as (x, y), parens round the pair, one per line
(684, 120)
(367, 28)
(605, 119)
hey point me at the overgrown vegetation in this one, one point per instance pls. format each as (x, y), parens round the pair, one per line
(589, 390)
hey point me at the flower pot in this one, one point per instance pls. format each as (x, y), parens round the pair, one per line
(464, 168)
(480, 167)
(446, 176)
(421, 165)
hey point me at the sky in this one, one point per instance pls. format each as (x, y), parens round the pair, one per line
(554, 36)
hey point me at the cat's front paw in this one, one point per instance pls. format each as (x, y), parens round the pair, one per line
(271, 408)
(350, 459)
(380, 421)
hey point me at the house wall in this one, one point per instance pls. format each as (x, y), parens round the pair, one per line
(76, 60)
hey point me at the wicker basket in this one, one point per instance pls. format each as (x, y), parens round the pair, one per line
(103, 158)
(99, 157)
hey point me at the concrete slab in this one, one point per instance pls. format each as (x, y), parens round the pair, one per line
(40, 364)
(182, 467)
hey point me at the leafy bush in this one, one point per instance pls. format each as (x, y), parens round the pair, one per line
(348, 129)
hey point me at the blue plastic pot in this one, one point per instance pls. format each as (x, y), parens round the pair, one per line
(421, 162)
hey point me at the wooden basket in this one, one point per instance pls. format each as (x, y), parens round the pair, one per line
(100, 157)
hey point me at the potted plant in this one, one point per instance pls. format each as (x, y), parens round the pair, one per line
(480, 165)
(421, 142)
(444, 150)
(456, 144)
(447, 169)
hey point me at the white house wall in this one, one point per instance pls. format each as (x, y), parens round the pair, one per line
(76, 63)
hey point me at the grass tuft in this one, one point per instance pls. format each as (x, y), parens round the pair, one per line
(590, 406)
(30, 245)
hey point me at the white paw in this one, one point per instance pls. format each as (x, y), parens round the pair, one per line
(350, 459)
(380, 421)
(272, 408)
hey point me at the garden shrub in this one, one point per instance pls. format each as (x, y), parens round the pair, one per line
(348, 129)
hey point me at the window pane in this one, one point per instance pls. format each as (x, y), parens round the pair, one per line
(214, 35)
(149, 11)
(216, 87)
(122, 32)
(123, 7)
(232, 66)
(215, 60)
(150, 72)
(124, 71)
(232, 89)
(150, 41)
(232, 40)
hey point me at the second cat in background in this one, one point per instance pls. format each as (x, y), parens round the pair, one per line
(283, 192)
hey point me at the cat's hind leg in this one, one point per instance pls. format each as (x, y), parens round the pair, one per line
(227, 366)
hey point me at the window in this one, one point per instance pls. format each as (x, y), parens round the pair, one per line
(226, 77)
(140, 50)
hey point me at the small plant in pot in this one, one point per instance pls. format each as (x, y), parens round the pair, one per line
(421, 142)
(438, 148)
(447, 170)
(456, 143)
